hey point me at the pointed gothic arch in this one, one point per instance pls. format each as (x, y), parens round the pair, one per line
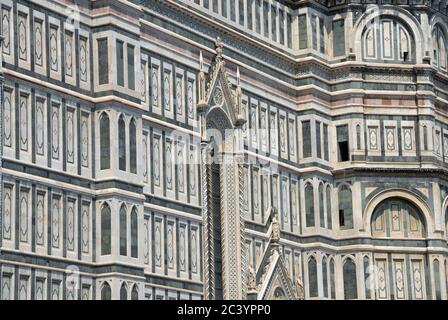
(121, 143)
(106, 291)
(123, 230)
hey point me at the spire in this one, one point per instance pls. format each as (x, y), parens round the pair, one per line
(201, 84)
(201, 62)
(238, 77)
(239, 97)
(218, 45)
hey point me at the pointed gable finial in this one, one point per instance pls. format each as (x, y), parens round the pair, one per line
(239, 98)
(201, 62)
(275, 233)
(201, 84)
(238, 76)
(218, 45)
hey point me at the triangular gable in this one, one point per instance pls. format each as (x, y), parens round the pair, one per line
(271, 279)
(218, 88)
(276, 283)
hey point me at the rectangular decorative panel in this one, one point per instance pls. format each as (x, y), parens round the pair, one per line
(71, 131)
(55, 127)
(396, 217)
(8, 124)
(192, 166)
(156, 160)
(24, 215)
(85, 227)
(40, 126)
(387, 39)
(169, 165)
(56, 210)
(83, 59)
(8, 199)
(194, 245)
(38, 42)
(400, 279)
(381, 278)
(40, 219)
(22, 29)
(170, 245)
(183, 247)
(417, 279)
(70, 224)
(69, 53)
(24, 122)
(6, 30)
(158, 243)
(54, 50)
(84, 140)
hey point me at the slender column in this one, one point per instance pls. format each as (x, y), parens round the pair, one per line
(209, 279)
(1, 138)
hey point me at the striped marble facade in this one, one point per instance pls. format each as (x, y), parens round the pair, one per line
(339, 118)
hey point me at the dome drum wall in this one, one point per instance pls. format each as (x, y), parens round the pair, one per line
(332, 116)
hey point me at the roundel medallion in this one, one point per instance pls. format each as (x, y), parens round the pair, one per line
(218, 96)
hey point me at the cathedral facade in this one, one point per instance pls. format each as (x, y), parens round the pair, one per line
(224, 149)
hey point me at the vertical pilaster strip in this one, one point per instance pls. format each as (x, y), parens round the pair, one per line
(1, 141)
(209, 280)
(244, 264)
(231, 247)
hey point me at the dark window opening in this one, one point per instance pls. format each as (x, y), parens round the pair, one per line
(341, 217)
(120, 63)
(306, 139)
(425, 138)
(103, 62)
(343, 144)
(343, 151)
(405, 55)
(131, 69)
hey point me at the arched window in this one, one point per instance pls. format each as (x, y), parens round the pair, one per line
(123, 292)
(123, 231)
(106, 292)
(425, 138)
(332, 280)
(312, 277)
(133, 146)
(358, 137)
(321, 205)
(367, 277)
(436, 268)
(105, 141)
(121, 144)
(325, 276)
(309, 205)
(134, 233)
(345, 208)
(105, 230)
(387, 40)
(439, 48)
(329, 209)
(349, 274)
(134, 293)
